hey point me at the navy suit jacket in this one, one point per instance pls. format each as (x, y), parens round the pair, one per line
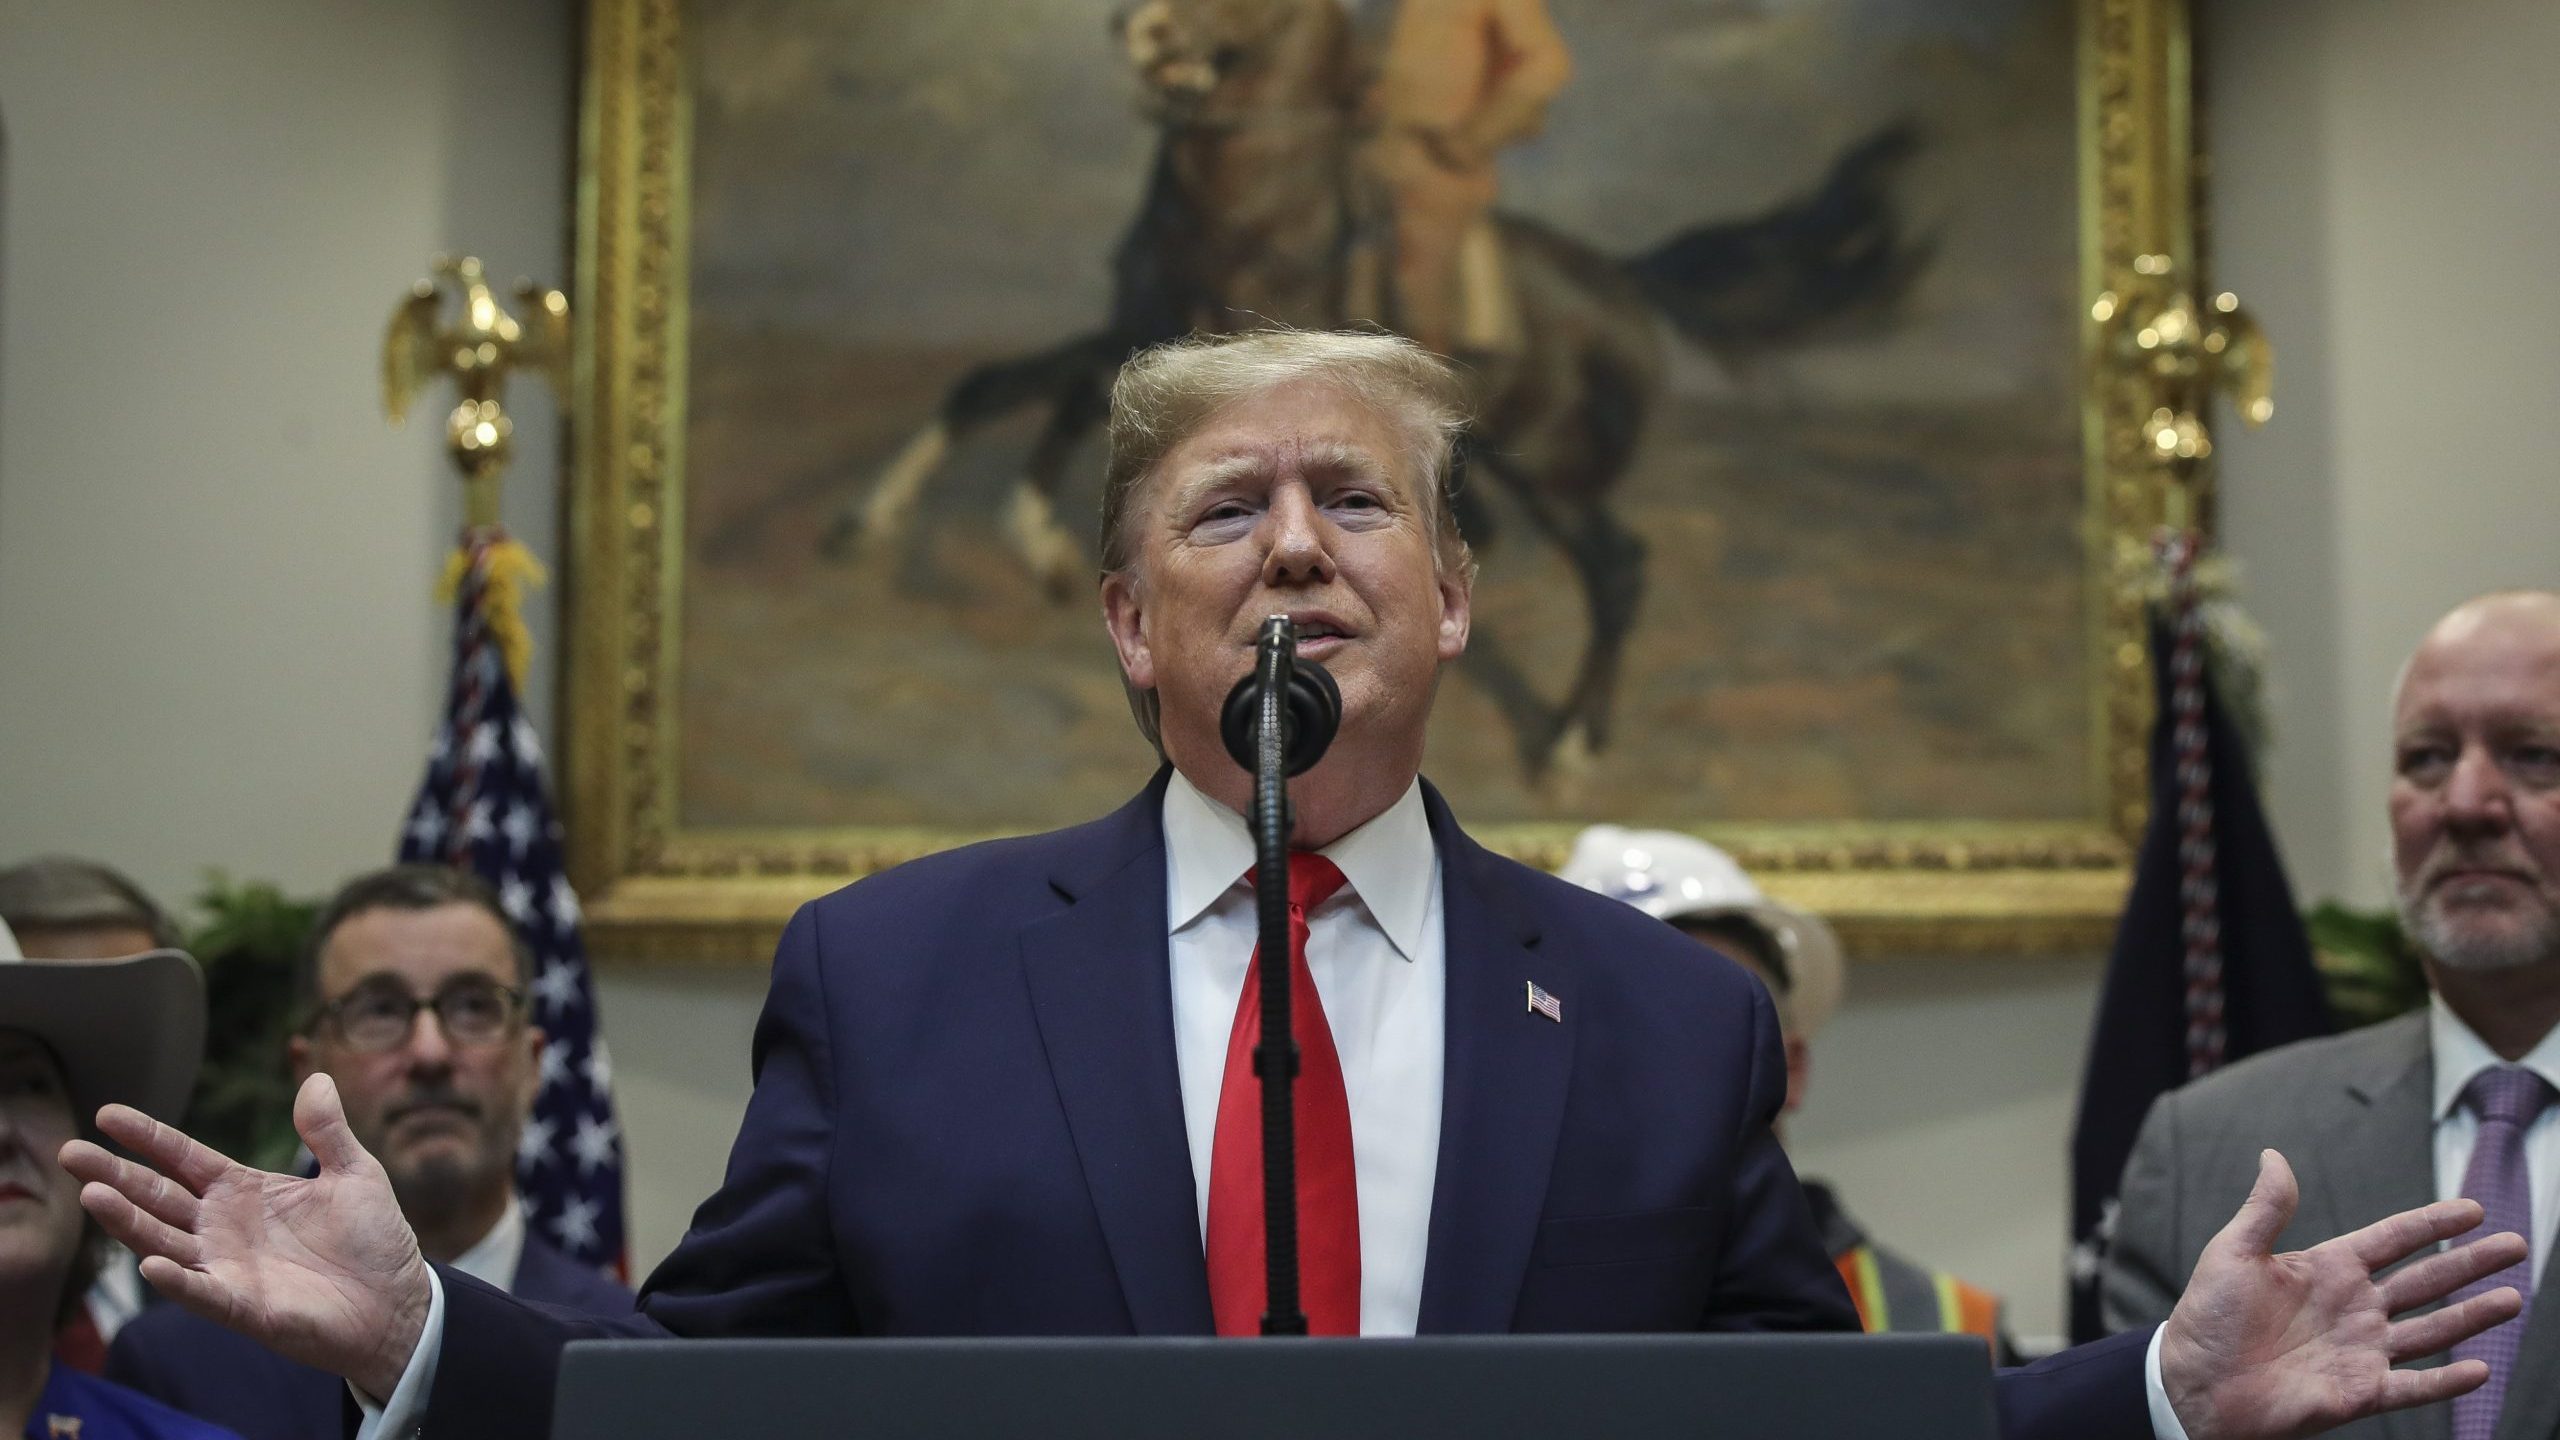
(967, 1121)
(209, 1372)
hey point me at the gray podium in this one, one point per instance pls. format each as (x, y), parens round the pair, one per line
(1835, 1387)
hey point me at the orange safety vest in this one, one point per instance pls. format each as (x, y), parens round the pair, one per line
(1894, 1294)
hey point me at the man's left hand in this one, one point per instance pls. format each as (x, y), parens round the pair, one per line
(2267, 1347)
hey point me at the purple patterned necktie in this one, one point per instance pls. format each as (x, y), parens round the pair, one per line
(2506, 1098)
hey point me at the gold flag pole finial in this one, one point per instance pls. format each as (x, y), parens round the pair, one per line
(2173, 352)
(480, 346)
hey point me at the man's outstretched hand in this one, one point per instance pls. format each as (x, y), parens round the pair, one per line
(325, 1271)
(2266, 1347)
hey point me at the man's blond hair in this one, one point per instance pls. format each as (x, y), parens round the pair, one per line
(1165, 394)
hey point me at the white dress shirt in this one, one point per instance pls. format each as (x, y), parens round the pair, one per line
(1376, 952)
(2461, 1054)
(496, 1256)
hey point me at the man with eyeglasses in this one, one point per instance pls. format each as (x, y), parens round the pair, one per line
(413, 988)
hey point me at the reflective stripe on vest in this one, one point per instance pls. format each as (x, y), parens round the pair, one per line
(1893, 1294)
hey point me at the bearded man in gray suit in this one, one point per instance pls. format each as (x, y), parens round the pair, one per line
(2458, 1099)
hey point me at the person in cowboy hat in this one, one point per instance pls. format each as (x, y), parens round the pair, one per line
(69, 907)
(75, 1035)
(1699, 889)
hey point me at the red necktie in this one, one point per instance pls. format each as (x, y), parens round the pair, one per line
(1328, 1193)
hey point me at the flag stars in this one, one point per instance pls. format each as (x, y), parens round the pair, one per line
(595, 1142)
(483, 748)
(555, 1067)
(533, 1145)
(517, 897)
(528, 745)
(555, 991)
(600, 1068)
(575, 1226)
(519, 828)
(426, 827)
(475, 822)
(564, 902)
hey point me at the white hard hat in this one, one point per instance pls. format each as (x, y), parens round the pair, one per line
(1672, 876)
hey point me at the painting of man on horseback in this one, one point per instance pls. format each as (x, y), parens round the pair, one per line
(1694, 317)
(1298, 172)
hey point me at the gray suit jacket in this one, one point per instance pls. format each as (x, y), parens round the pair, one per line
(2351, 1114)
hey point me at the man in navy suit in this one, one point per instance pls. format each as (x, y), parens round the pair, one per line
(412, 991)
(995, 1088)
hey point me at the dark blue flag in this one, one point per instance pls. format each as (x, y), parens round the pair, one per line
(484, 807)
(2211, 960)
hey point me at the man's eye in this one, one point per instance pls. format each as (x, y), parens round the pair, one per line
(2540, 761)
(378, 1007)
(2420, 761)
(475, 1006)
(1356, 500)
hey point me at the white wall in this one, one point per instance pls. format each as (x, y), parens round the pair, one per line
(2388, 193)
(214, 559)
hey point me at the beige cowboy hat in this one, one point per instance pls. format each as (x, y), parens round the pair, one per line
(128, 1032)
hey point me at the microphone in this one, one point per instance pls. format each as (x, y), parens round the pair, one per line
(1310, 708)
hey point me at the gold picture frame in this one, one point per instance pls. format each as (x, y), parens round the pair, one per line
(656, 888)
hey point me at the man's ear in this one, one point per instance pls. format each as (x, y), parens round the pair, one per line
(1457, 609)
(1125, 617)
(534, 1044)
(1799, 1074)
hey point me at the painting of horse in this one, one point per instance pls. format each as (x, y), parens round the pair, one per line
(1775, 477)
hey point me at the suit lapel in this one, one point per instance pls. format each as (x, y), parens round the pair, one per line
(1101, 989)
(537, 1274)
(2384, 1143)
(2532, 1409)
(1502, 1100)
(2384, 1151)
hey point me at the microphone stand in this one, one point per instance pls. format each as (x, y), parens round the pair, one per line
(1275, 1057)
(1277, 722)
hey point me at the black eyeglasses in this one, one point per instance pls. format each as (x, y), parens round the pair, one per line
(378, 1014)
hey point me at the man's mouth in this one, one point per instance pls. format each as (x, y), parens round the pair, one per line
(12, 1190)
(1319, 635)
(2467, 870)
(434, 1112)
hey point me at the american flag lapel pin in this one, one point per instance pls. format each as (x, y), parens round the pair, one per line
(1542, 1003)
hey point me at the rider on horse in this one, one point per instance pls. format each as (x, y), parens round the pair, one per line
(1459, 81)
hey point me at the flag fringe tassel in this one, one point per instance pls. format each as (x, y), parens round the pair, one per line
(509, 572)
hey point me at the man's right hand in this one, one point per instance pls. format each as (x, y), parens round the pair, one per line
(325, 1271)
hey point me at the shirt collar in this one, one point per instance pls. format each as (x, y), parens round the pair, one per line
(1389, 863)
(2460, 1054)
(494, 1259)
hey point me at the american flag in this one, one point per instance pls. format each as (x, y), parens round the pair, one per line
(1545, 1004)
(484, 806)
